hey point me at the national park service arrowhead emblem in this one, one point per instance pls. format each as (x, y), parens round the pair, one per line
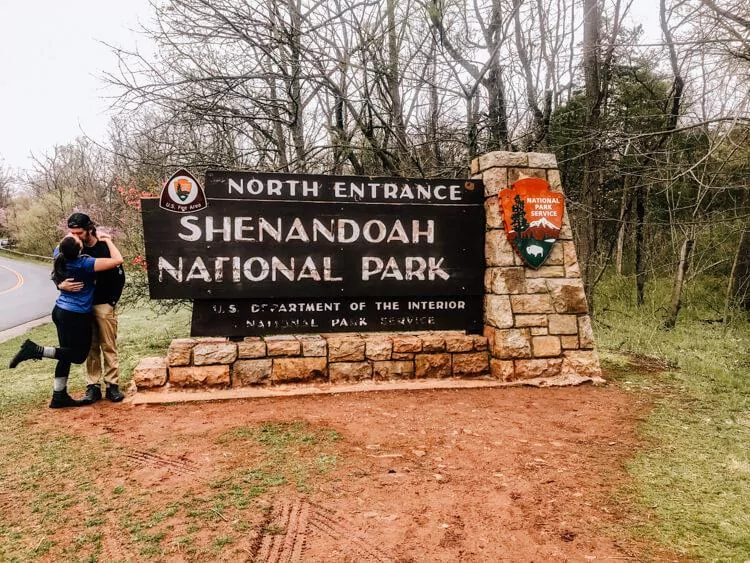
(182, 193)
(532, 215)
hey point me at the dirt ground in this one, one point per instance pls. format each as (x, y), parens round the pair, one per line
(510, 474)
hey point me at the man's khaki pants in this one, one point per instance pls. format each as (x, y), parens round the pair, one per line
(103, 347)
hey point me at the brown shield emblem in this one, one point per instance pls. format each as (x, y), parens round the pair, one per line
(182, 193)
(532, 215)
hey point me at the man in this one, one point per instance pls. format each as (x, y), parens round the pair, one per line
(109, 285)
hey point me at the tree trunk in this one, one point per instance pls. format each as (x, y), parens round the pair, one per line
(393, 80)
(738, 289)
(296, 108)
(433, 140)
(497, 111)
(541, 115)
(587, 242)
(338, 136)
(622, 227)
(472, 133)
(640, 219)
(490, 77)
(679, 281)
(278, 128)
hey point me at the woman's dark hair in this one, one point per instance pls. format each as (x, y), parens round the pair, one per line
(69, 249)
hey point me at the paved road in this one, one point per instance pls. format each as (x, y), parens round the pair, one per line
(26, 292)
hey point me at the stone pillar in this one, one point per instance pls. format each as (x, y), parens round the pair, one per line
(536, 321)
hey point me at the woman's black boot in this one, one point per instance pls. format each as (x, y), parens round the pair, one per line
(61, 400)
(29, 351)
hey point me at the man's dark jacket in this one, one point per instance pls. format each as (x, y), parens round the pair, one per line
(109, 283)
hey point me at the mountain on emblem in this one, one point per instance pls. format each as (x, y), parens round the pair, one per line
(182, 193)
(543, 222)
(532, 215)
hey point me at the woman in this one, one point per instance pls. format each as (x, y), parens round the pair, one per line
(72, 314)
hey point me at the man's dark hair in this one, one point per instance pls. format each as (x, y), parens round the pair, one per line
(80, 221)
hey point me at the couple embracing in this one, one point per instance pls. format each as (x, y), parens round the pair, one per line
(88, 272)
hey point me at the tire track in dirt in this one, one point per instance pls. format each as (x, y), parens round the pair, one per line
(178, 465)
(337, 528)
(284, 533)
(290, 523)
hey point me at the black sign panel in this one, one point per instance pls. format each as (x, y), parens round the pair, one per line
(273, 240)
(259, 317)
(235, 185)
(302, 249)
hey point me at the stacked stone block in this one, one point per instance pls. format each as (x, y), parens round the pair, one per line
(536, 321)
(330, 358)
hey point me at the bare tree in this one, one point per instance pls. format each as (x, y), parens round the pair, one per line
(367, 87)
(489, 75)
(6, 180)
(75, 174)
(241, 65)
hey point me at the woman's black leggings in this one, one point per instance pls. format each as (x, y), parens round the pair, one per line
(74, 335)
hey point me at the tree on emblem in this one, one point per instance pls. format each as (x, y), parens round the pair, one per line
(518, 217)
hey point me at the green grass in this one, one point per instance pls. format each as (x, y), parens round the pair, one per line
(142, 332)
(293, 453)
(695, 473)
(55, 477)
(55, 472)
(43, 261)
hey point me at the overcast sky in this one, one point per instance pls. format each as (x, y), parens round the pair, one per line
(51, 61)
(50, 64)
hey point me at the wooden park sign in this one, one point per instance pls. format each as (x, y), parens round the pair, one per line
(532, 215)
(275, 253)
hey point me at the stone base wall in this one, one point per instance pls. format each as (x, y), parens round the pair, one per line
(536, 321)
(339, 358)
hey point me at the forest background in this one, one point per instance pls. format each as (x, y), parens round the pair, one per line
(651, 138)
